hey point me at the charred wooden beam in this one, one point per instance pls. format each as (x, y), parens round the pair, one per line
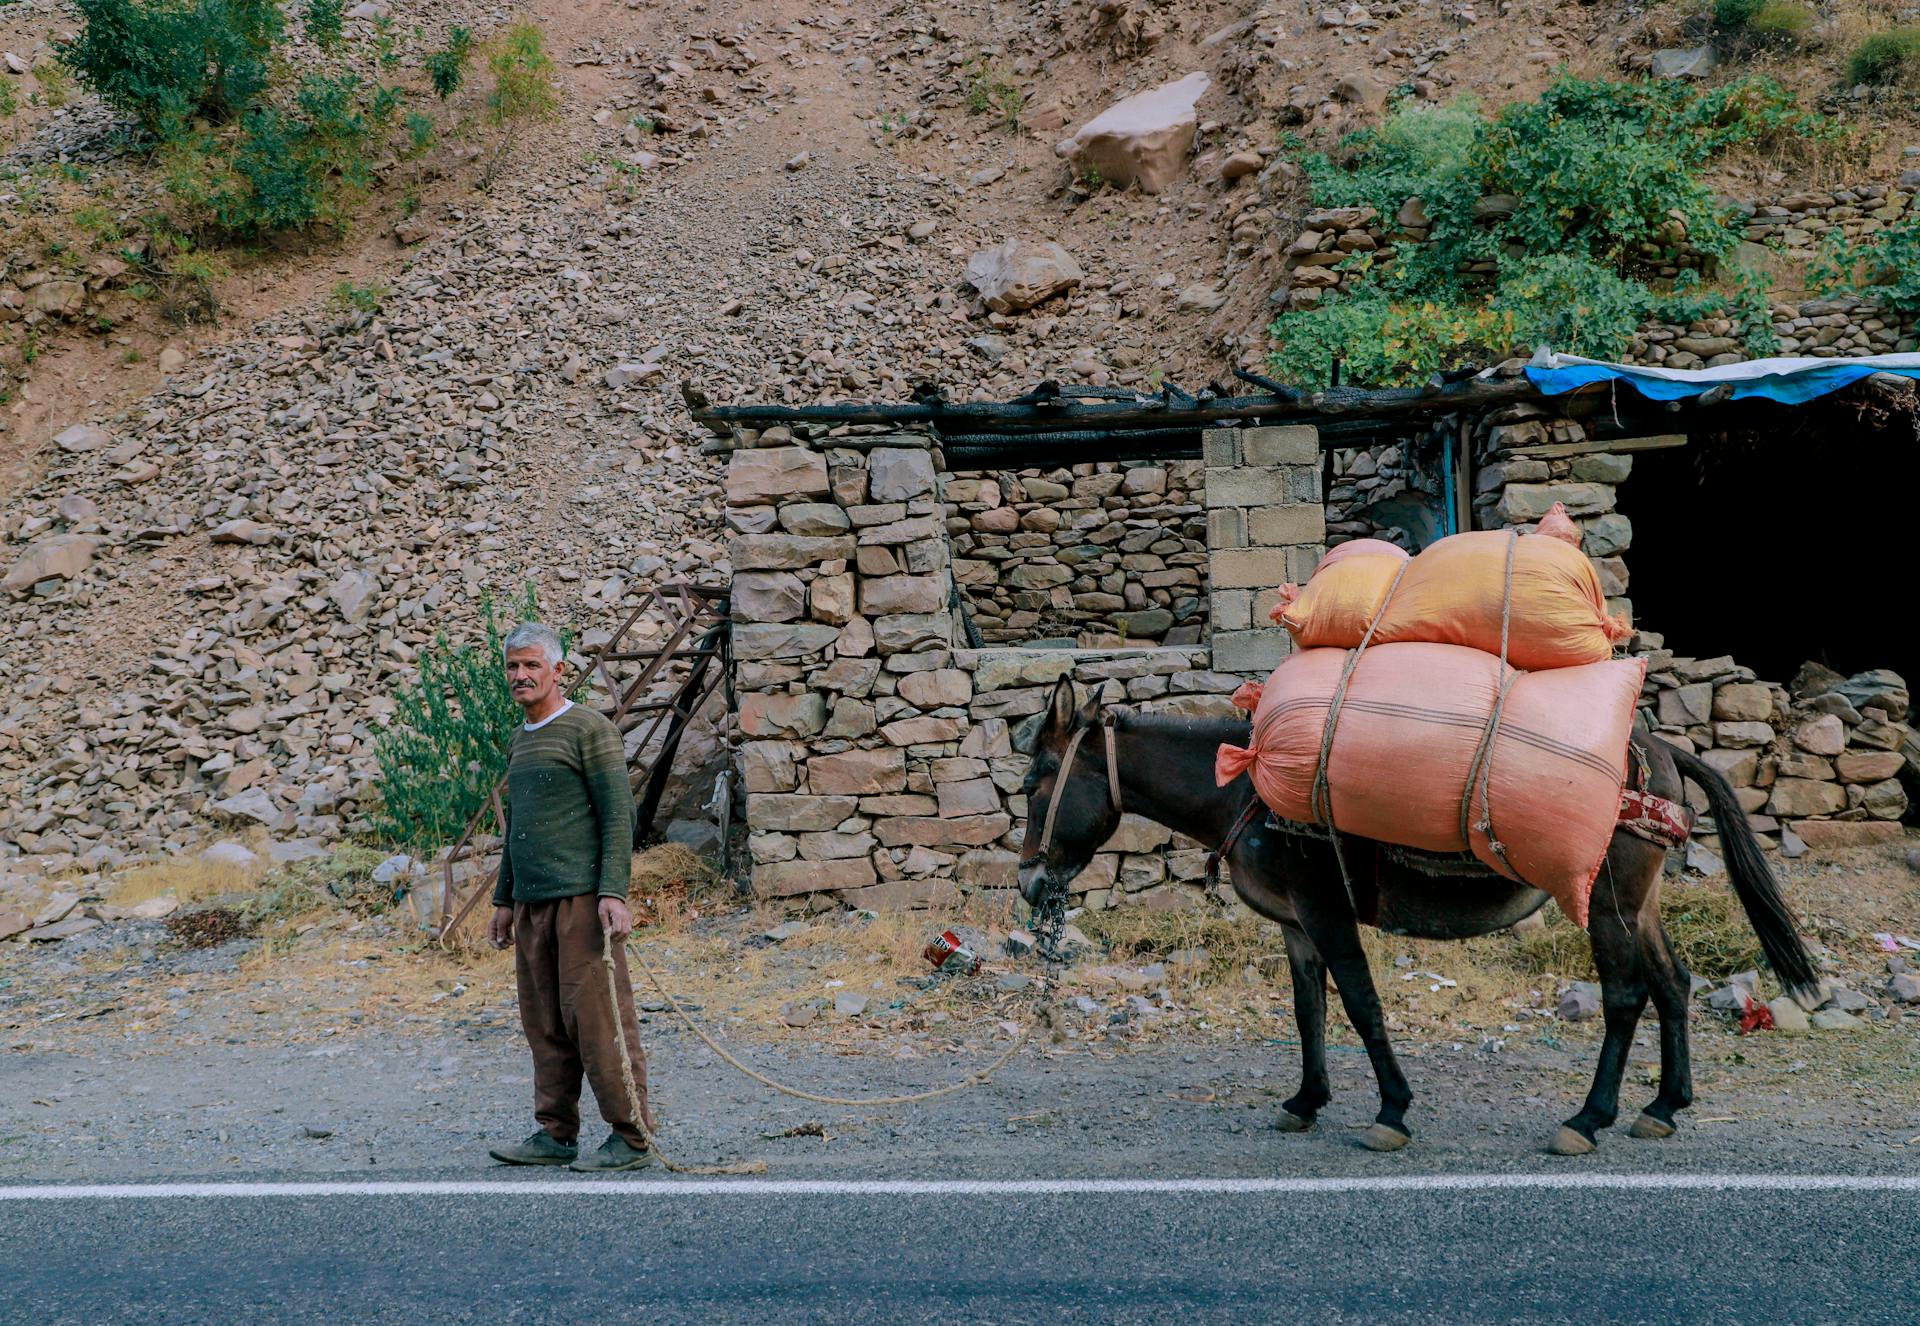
(1057, 412)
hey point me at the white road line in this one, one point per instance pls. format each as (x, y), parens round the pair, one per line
(679, 1188)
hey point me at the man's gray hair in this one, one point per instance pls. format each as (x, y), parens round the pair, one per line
(533, 635)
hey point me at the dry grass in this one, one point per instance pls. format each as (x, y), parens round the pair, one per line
(1232, 942)
(1709, 930)
(187, 878)
(672, 886)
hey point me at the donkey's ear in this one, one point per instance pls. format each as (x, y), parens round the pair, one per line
(1090, 711)
(1060, 709)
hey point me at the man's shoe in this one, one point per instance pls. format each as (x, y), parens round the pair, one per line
(614, 1154)
(539, 1149)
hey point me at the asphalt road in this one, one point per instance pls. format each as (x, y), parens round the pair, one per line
(662, 1250)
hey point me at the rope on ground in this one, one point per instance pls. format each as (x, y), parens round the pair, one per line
(634, 1103)
(973, 1079)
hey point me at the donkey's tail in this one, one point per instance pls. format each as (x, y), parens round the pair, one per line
(1754, 884)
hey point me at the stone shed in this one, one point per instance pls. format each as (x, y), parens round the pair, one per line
(906, 593)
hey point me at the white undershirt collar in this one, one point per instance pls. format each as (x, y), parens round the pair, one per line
(535, 727)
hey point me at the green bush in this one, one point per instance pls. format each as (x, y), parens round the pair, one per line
(447, 67)
(1595, 179)
(1735, 15)
(1384, 341)
(1885, 57)
(1572, 304)
(167, 61)
(522, 76)
(8, 105)
(284, 170)
(1884, 265)
(447, 744)
(323, 22)
(361, 298)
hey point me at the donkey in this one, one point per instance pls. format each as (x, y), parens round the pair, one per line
(1162, 769)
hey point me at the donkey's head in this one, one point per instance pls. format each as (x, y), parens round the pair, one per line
(1070, 804)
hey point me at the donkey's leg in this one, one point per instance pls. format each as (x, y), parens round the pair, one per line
(1310, 1015)
(1623, 995)
(1330, 924)
(1670, 983)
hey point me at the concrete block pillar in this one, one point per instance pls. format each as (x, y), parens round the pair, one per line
(1266, 525)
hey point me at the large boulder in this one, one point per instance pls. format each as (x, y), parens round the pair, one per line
(1142, 140)
(58, 557)
(1020, 273)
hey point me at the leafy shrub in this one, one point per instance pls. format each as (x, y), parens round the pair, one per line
(522, 76)
(1585, 184)
(447, 67)
(166, 61)
(419, 133)
(447, 745)
(283, 170)
(1885, 57)
(99, 223)
(323, 22)
(185, 277)
(8, 104)
(1735, 15)
(1384, 341)
(1884, 265)
(1571, 303)
(1420, 151)
(989, 90)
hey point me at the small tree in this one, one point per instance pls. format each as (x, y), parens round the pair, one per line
(447, 67)
(447, 745)
(522, 87)
(166, 61)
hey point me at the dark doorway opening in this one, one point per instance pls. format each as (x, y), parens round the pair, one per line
(1789, 538)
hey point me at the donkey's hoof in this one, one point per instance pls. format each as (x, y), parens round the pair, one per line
(1569, 1142)
(1289, 1122)
(1383, 1137)
(1646, 1126)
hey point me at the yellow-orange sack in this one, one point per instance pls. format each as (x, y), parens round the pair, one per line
(1452, 593)
(1404, 748)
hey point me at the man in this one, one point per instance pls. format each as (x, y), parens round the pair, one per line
(562, 885)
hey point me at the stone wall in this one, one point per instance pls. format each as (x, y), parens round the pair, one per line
(882, 760)
(1095, 555)
(1395, 491)
(1820, 759)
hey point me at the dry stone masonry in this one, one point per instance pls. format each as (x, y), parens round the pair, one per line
(1098, 555)
(882, 758)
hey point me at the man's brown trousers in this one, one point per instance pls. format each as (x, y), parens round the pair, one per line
(570, 1021)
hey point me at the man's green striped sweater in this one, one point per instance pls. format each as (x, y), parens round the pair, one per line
(569, 811)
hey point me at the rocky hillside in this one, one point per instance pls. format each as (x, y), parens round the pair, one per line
(221, 561)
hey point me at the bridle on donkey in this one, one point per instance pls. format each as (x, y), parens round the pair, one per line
(1066, 771)
(1050, 913)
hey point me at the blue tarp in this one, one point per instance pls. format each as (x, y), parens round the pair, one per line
(1789, 381)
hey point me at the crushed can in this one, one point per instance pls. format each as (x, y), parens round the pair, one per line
(948, 954)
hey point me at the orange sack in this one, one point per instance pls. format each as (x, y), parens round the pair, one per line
(1405, 745)
(1452, 594)
(1346, 590)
